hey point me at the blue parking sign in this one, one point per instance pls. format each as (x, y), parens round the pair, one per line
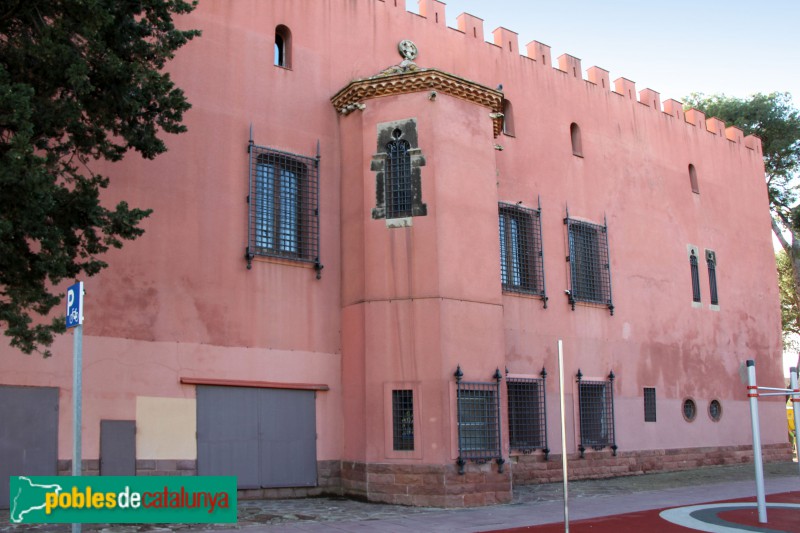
(75, 305)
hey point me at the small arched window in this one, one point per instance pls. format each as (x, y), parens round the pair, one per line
(508, 118)
(575, 136)
(283, 47)
(693, 179)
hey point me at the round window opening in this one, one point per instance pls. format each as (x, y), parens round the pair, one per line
(715, 410)
(689, 409)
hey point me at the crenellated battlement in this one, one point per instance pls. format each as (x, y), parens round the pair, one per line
(508, 41)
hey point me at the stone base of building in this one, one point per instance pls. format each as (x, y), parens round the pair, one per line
(427, 485)
(481, 484)
(530, 469)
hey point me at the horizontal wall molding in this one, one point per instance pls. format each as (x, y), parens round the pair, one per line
(254, 384)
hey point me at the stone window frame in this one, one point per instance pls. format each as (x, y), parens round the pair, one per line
(389, 451)
(391, 132)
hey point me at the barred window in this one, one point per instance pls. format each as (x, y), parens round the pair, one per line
(711, 261)
(527, 414)
(478, 408)
(403, 419)
(695, 276)
(283, 205)
(590, 269)
(521, 258)
(649, 404)
(596, 410)
(478, 427)
(398, 177)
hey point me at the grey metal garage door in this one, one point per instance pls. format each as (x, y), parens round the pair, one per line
(265, 437)
(28, 434)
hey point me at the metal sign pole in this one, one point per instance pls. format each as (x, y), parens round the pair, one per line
(75, 320)
(563, 433)
(795, 408)
(752, 393)
(77, 393)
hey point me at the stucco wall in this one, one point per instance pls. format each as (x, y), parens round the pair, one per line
(180, 302)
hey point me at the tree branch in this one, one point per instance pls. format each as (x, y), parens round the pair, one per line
(776, 229)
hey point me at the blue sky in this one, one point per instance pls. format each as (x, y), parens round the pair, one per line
(713, 46)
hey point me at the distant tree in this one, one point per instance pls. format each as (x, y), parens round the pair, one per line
(790, 302)
(80, 80)
(774, 119)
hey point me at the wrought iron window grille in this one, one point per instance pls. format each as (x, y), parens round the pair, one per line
(403, 420)
(478, 408)
(521, 254)
(590, 268)
(596, 412)
(649, 404)
(527, 414)
(397, 166)
(283, 206)
(695, 277)
(398, 177)
(711, 261)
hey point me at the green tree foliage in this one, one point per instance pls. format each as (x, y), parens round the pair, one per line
(774, 119)
(80, 80)
(790, 302)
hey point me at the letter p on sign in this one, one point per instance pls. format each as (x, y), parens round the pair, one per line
(75, 305)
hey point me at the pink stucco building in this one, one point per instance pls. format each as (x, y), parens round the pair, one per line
(366, 247)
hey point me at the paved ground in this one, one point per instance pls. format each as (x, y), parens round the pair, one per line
(532, 505)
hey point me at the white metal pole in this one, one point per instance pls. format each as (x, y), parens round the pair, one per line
(752, 393)
(563, 433)
(795, 408)
(77, 393)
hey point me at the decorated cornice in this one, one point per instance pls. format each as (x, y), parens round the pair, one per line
(408, 78)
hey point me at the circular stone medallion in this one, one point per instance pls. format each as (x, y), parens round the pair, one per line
(407, 49)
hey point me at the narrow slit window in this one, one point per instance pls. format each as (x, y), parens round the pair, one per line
(695, 270)
(711, 261)
(283, 47)
(575, 137)
(508, 118)
(693, 179)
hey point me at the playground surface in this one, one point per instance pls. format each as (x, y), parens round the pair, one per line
(783, 515)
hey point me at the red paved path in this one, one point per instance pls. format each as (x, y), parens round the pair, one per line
(649, 521)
